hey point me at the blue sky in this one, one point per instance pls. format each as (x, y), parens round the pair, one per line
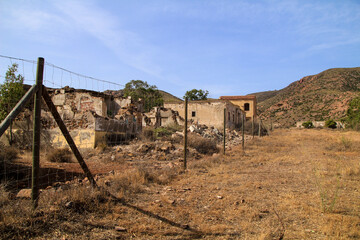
(227, 47)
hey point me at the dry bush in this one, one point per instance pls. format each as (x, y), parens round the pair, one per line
(101, 147)
(207, 162)
(59, 155)
(133, 181)
(7, 155)
(202, 145)
(147, 134)
(4, 195)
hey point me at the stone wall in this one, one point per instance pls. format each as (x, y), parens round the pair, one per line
(210, 113)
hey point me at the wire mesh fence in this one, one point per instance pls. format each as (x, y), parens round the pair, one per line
(91, 131)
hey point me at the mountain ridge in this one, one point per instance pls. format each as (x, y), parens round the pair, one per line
(316, 97)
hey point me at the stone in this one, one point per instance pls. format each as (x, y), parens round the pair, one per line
(24, 193)
(220, 197)
(120, 229)
(69, 204)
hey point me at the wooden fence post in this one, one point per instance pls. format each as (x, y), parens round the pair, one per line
(185, 133)
(224, 140)
(36, 134)
(259, 127)
(252, 127)
(243, 132)
(67, 136)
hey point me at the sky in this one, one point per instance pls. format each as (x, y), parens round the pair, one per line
(228, 47)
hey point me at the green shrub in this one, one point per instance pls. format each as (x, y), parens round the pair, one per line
(331, 124)
(60, 155)
(162, 132)
(308, 124)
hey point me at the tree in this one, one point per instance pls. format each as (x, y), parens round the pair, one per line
(331, 124)
(308, 124)
(196, 94)
(140, 90)
(11, 91)
(353, 114)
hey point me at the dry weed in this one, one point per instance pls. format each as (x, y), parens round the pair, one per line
(59, 155)
(202, 145)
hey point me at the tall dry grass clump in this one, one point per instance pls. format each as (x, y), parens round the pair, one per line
(202, 145)
(60, 155)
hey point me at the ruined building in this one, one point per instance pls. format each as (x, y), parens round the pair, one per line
(246, 103)
(210, 112)
(91, 117)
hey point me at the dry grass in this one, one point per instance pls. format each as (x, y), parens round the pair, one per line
(293, 184)
(59, 155)
(202, 145)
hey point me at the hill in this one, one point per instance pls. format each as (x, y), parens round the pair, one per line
(169, 97)
(317, 97)
(262, 96)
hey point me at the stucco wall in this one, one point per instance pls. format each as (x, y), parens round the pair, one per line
(210, 113)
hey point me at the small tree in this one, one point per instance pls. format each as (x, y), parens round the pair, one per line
(308, 124)
(11, 91)
(196, 94)
(353, 114)
(331, 124)
(138, 89)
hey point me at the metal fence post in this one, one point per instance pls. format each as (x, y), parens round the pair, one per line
(36, 134)
(185, 133)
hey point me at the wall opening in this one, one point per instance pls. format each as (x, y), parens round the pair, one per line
(193, 114)
(247, 107)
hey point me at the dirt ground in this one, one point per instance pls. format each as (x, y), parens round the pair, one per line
(293, 184)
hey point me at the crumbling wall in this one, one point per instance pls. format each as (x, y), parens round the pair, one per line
(210, 112)
(160, 116)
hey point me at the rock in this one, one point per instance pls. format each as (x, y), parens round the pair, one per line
(24, 193)
(220, 197)
(69, 204)
(120, 229)
(145, 147)
(107, 182)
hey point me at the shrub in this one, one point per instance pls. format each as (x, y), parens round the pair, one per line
(331, 124)
(308, 124)
(7, 155)
(202, 145)
(59, 155)
(162, 132)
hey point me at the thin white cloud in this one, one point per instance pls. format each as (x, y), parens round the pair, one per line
(102, 25)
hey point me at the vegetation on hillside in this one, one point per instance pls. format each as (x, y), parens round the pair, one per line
(317, 97)
(353, 114)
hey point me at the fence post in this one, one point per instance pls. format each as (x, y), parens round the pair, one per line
(185, 132)
(36, 134)
(224, 140)
(243, 132)
(259, 127)
(252, 127)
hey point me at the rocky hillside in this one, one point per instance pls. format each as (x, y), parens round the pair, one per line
(316, 97)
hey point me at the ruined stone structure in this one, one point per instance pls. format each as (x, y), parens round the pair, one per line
(246, 103)
(210, 113)
(91, 118)
(160, 116)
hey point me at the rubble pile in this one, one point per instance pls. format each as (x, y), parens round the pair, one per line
(233, 137)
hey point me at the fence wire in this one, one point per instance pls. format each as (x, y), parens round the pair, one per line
(118, 137)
